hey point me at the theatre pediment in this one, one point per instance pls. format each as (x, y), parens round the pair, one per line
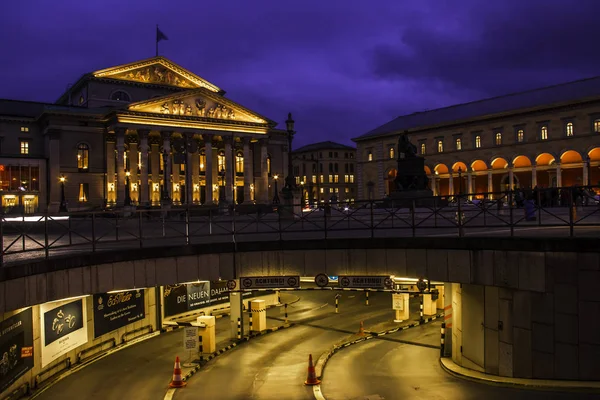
(198, 103)
(157, 70)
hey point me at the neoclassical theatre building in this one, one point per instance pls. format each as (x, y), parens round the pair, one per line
(149, 132)
(547, 137)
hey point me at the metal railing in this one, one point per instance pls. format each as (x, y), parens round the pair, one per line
(555, 212)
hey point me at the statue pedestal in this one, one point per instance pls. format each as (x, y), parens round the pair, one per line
(408, 198)
(291, 208)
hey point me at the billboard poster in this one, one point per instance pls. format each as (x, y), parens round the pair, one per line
(63, 328)
(16, 347)
(115, 310)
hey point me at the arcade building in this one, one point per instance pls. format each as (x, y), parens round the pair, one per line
(547, 137)
(141, 134)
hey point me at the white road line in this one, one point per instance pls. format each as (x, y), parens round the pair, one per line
(316, 392)
(169, 395)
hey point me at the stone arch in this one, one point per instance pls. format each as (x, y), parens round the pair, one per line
(543, 159)
(594, 154)
(499, 163)
(427, 170)
(521, 160)
(459, 164)
(441, 168)
(570, 157)
(479, 165)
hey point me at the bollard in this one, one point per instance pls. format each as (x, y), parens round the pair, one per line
(286, 318)
(337, 303)
(366, 298)
(443, 336)
(239, 329)
(250, 322)
(421, 320)
(201, 350)
(278, 297)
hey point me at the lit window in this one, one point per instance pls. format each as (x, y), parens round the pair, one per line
(597, 125)
(321, 191)
(520, 135)
(239, 163)
(221, 160)
(370, 156)
(330, 178)
(569, 129)
(120, 96)
(346, 178)
(81, 100)
(336, 178)
(321, 178)
(458, 144)
(24, 147)
(423, 148)
(24, 129)
(314, 179)
(440, 146)
(544, 133)
(83, 156)
(391, 152)
(351, 178)
(498, 139)
(477, 141)
(203, 161)
(346, 190)
(330, 190)
(336, 190)
(83, 192)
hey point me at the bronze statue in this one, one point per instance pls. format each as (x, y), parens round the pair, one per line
(405, 148)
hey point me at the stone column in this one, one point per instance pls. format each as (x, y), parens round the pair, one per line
(195, 171)
(432, 184)
(248, 173)
(111, 194)
(229, 169)
(54, 169)
(490, 185)
(191, 150)
(450, 184)
(470, 183)
(586, 168)
(144, 184)
(166, 135)
(132, 155)
(558, 175)
(155, 162)
(120, 166)
(263, 194)
(175, 186)
(208, 174)
(511, 178)
(533, 176)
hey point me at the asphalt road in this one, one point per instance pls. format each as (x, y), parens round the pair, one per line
(384, 369)
(275, 366)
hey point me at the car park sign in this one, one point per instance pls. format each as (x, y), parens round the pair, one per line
(365, 282)
(270, 282)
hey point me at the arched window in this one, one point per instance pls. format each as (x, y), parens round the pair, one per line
(83, 156)
(202, 162)
(440, 146)
(269, 164)
(597, 125)
(520, 135)
(423, 148)
(239, 163)
(391, 152)
(120, 95)
(477, 141)
(569, 129)
(370, 156)
(498, 139)
(544, 133)
(221, 161)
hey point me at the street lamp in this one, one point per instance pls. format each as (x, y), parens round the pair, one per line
(290, 181)
(165, 199)
(222, 187)
(127, 194)
(302, 192)
(460, 181)
(63, 201)
(276, 195)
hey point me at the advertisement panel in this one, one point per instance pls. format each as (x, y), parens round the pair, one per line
(63, 328)
(16, 347)
(178, 299)
(115, 310)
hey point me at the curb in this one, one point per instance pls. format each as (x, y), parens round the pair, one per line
(322, 361)
(521, 383)
(204, 360)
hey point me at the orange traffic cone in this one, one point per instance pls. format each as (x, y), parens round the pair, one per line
(311, 379)
(361, 331)
(177, 381)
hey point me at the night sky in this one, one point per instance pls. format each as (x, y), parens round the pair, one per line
(343, 67)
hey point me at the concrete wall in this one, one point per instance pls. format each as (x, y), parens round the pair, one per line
(29, 376)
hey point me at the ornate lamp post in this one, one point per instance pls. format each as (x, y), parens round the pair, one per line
(276, 196)
(63, 201)
(460, 182)
(302, 193)
(165, 199)
(290, 181)
(222, 186)
(127, 194)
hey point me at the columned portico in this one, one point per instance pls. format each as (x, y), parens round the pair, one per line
(120, 184)
(248, 173)
(208, 168)
(229, 169)
(167, 193)
(144, 183)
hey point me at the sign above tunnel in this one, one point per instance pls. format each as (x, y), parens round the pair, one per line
(270, 282)
(365, 282)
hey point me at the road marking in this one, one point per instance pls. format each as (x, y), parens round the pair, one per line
(169, 395)
(317, 392)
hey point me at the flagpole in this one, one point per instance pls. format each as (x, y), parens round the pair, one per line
(156, 40)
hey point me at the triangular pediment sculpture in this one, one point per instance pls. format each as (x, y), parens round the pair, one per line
(199, 103)
(156, 70)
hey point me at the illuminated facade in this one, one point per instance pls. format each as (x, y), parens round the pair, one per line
(145, 133)
(548, 137)
(325, 171)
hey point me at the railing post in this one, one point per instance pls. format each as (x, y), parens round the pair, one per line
(210, 221)
(46, 245)
(187, 225)
(571, 212)
(140, 231)
(233, 222)
(324, 220)
(93, 232)
(117, 226)
(372, 219)
(70, 236)
(510, 210)
(279, 222)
